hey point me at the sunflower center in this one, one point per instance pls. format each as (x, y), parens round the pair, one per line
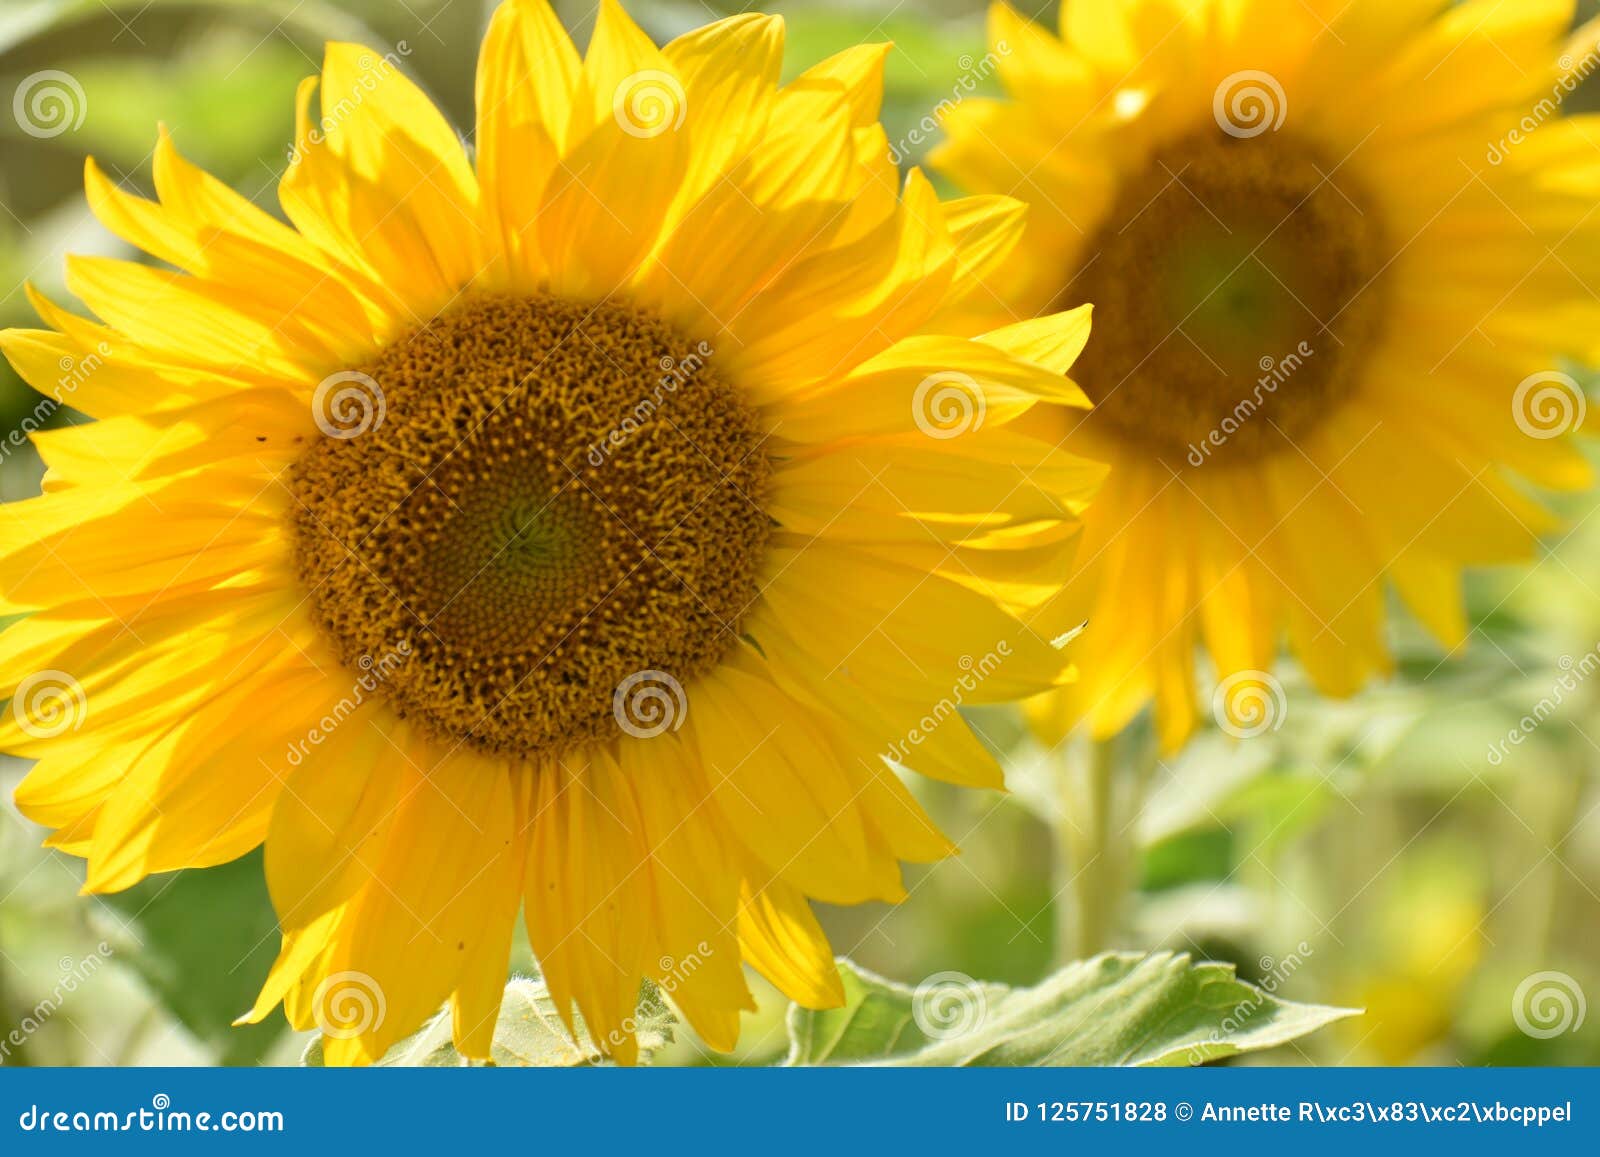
(1236, 287)
(525, 504)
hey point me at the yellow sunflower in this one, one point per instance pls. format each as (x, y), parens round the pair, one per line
(1339, 249)
(584, 528)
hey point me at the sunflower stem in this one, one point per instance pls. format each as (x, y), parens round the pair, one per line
(1093, 849)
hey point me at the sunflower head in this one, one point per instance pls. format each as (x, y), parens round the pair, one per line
(1340, 252)
(523, 578)
(583, 529)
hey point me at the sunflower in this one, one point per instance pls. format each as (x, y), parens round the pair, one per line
(586, 529)
(1340, 248)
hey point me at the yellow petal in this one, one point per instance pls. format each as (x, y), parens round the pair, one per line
(526, 76)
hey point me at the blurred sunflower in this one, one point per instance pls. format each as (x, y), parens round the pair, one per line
(572, 530)
(1339, 247)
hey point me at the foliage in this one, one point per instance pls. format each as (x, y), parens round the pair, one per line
(1118, 1009)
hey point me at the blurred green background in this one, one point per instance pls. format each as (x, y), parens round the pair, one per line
(1373, 843)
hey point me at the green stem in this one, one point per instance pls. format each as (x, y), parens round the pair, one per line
(1094, 847)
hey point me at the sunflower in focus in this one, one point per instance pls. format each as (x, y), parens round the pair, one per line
(581, 529)
(1340, 250)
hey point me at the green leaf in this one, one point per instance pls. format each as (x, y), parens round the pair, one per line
(1117, 1009)
(529, 1034)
